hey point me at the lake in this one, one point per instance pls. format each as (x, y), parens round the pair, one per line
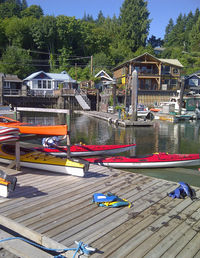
(163, 136)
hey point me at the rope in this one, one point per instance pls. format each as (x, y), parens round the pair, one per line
(84, 248)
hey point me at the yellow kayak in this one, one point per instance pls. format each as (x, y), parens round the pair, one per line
(38, 160)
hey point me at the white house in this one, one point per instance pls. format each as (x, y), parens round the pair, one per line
(41, 83)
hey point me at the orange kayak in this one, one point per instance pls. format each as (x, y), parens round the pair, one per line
(26, 128)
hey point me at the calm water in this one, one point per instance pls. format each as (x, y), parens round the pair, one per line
(164, 136)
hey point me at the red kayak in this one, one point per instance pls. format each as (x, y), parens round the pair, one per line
(88, 150)
(157, 160)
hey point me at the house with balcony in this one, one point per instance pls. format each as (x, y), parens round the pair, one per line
(45, 84)
(10, 85)
(159, 79)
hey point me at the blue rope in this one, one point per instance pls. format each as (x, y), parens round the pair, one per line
(81, 247)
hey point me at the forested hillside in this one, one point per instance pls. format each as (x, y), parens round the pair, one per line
(31, 41)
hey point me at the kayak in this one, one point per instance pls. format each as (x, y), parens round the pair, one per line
(87, 150)
(26, 128)
(37, 160)
(157, 160)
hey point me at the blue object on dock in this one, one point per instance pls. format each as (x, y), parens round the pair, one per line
(110, 200)
(182, 191)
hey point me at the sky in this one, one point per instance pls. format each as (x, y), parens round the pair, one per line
(160, 10)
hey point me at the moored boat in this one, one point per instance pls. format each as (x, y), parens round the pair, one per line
(157, 160)
(37, 160)
(87, 150)
(25, 128)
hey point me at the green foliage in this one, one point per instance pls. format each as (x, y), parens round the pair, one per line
(134, 23)
(33, 11)
(16, 61)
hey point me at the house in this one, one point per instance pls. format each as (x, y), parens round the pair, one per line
(158, 78)
(192, 82)
(105, 80)
(42, 83)
(10, 85)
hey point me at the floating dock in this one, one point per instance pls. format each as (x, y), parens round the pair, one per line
(113, 119)
(55, 210)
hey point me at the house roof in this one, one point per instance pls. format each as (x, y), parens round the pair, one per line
(10, 77)
(63, 76)
(103, 74)
(171, 61)
(174, 62)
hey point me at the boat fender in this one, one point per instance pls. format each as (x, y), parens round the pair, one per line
(110, 200)
(50, 142)
(182, 191)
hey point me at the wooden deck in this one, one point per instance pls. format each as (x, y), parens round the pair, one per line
(56, 210)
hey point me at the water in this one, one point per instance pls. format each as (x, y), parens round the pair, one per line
(163, 136)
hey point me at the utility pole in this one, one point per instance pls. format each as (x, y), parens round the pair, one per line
(91, 68)
(134, 96)
(181, 95)
(76, 71)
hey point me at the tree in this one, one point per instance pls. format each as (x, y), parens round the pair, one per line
(16, 61)
(168, 30)
(100, 18)
(34, 11)
(134, 23)
(44, 33)
(195, 36)
(9, 9)
(155, 42)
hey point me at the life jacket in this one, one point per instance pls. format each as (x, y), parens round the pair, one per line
(110, 200)
(182, 191)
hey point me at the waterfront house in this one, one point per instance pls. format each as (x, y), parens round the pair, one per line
(159, 79)
(105, 80)
(10, 85)
(192, 82)
(45, 84)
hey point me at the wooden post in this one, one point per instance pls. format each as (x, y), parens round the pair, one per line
(134, 96)
(17, 155)
(68, 131)
(97, 105)
(114, 96)
(181, 95)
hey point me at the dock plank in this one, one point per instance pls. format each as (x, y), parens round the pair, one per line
(56, 210)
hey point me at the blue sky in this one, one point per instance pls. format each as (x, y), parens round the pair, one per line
(160, 10)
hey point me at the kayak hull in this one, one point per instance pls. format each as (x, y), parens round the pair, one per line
(25, 128)
(88, 150)
(42, 161)
(160, 160)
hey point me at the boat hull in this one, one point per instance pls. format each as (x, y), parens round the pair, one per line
(42, 161)
(160, 160)
(88, 150)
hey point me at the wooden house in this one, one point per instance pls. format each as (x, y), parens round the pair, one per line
(10, 85)
(159, 79)
(192, 82)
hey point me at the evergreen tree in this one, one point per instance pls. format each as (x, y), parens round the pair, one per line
(168, 30)
(134, 23)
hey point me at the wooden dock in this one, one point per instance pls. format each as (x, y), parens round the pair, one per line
(113, 119)
(56, 210)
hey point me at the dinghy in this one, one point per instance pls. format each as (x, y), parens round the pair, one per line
(42, 161)
(81, 150)
(157, 160)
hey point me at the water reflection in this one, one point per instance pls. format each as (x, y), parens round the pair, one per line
(161, 137)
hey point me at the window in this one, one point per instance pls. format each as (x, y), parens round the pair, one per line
(175, 71)
(39, 84)
(44, 84)
(6, 85)
(49, 84)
